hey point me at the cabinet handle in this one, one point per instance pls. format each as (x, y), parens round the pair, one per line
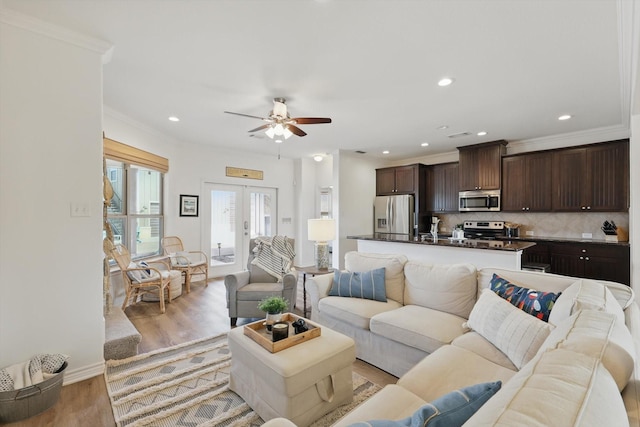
(581, 257)
(583, 208)
(588, 208)
(586, 258)
(524, 209)
(584, 251)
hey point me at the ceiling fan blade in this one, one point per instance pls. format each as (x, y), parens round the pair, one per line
(247, 115)
(259, 128)
(296, 130)
(311, 120)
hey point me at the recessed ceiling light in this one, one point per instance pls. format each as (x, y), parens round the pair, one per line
(424, 144)
(318, 158)
(446, 81)
(564, 117)
(482, 133)
(278, 141)
(385, 152)
(443, 127)
(174, 119)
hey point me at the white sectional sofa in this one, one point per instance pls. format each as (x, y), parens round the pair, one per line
(440, 331)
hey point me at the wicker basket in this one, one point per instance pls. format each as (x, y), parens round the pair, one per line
(16, 405)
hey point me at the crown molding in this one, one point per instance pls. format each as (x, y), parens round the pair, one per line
(591, 136)
(35, 25)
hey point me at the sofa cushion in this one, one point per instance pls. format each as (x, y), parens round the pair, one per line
(355, 311)
(588, 295)
(476, 343)
(449, 288)
(598, 334)
(393, 402)
(394, 270)
(365, 284)
(558, 388)
(406, 325)
(450, 368)
(450, 410)
(512, 331)
(546, 282)
(531, 301)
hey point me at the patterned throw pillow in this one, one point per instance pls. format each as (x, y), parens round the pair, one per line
(536, 303)
(367, 285)
(451, 410)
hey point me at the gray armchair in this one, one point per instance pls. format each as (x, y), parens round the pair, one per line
(247, 288)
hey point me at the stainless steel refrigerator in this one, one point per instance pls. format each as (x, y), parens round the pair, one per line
(394, 215)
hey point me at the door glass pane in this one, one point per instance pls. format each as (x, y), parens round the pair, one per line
(260, 214)
(223, 227)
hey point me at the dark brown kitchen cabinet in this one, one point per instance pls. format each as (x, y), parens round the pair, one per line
(443, 188)
(526, 182)
(480, 166)
(592, 261)
(397, 180)
(592, 178)
(409, 179)
(538, 254)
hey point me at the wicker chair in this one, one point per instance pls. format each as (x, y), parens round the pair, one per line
(189, 263)
(132, 277)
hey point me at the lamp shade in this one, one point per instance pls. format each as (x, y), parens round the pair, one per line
(321, 230)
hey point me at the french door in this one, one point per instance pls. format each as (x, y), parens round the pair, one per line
(234, 214)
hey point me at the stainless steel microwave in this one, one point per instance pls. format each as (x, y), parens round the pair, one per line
(479, 201)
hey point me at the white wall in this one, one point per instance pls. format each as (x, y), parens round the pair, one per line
(50, 158)
(354, 197)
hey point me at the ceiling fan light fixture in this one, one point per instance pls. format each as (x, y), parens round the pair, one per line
(270, 132)
(278, 129)
(287, 133)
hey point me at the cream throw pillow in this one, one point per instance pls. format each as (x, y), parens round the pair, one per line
(514, 332)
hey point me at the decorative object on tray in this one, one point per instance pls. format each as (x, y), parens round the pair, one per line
(257, 331)
(280, 331)
(273, 307)
(300, 326)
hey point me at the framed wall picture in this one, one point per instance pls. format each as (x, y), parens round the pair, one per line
(188, 205)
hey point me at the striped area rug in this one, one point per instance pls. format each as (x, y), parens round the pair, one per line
(187, 385)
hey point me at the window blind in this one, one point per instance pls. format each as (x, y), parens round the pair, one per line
(115, 150)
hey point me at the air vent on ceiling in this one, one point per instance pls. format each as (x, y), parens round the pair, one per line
(361, 152)
(458, 135)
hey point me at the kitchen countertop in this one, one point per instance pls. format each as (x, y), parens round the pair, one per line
(499, 245)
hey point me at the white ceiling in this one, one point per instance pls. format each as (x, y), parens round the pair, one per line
(372, 66)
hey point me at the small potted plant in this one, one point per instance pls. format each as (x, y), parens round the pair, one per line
(274, 307)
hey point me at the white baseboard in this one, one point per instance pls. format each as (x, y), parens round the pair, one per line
(83, 373)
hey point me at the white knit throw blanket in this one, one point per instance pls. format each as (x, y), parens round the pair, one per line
(41, 367)
(274, 255)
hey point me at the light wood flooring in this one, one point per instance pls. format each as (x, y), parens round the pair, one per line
(198, 314)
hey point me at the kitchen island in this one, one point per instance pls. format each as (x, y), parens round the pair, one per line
(444, 250)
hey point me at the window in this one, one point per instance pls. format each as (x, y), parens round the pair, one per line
(136, 209)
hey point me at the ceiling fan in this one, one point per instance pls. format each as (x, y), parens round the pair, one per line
(280, 124)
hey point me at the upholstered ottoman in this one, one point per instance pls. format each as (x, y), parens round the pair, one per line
(301, 383)
(175, 286)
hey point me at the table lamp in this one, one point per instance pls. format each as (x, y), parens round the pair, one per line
(321, 231)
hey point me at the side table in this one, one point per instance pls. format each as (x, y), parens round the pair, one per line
(312, 271)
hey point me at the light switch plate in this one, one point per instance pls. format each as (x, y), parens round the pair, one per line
(80, 209)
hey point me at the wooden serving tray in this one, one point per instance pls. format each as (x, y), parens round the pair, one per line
(258, 332)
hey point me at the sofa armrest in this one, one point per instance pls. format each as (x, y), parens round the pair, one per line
(290, 280)
(278, 422)
(233, 282)
(318, 288)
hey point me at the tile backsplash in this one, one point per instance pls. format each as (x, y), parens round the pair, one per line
(543, 224)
